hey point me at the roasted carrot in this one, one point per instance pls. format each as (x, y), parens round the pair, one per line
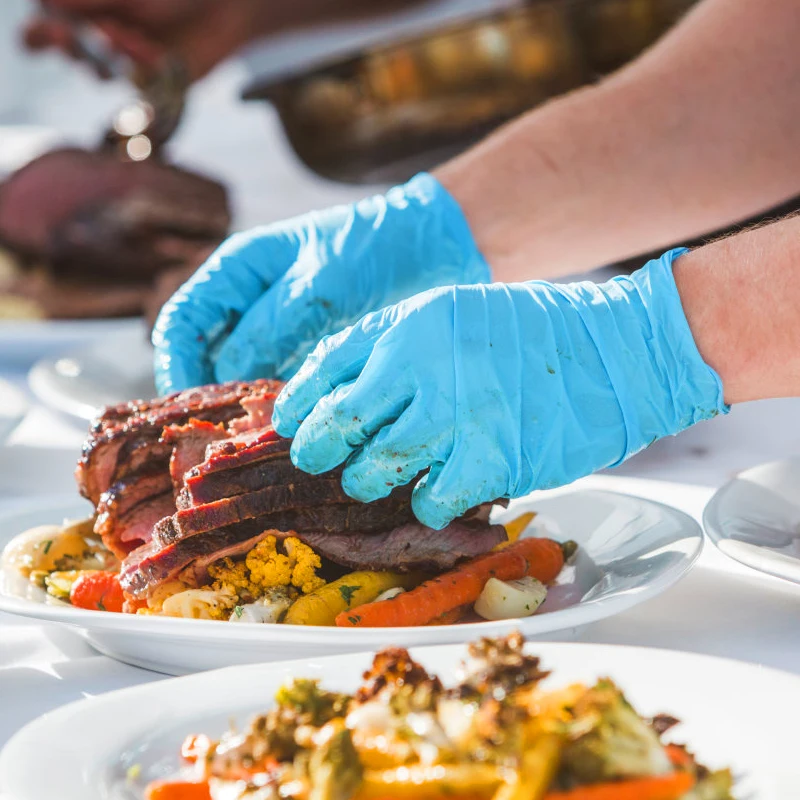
(680, 758)
(99, 591)
(540, 558)
(177, 790)
(661, 787)
(450, 617)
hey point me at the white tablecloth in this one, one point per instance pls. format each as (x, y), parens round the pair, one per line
(721, 608)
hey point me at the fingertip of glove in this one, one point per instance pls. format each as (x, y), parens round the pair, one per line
(428, 512)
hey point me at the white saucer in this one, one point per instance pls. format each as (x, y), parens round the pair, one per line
(755, 518)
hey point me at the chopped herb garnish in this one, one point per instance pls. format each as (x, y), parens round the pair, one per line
(47, 545)
(238, 610)
(354, 620)
(347, 593)
(100, 605)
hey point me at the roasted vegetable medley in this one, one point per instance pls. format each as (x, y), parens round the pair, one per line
(498, 734)
(281, 579)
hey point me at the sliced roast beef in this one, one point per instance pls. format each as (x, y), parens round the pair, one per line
(365, 517)
(103, 459)
(152, 564)
(411, 547)
(124, 531)
(213, 453)
(206, 487)
(188, 443)
(317, 494)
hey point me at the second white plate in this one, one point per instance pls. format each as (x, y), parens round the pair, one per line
(113, 369)
(755, 518)
(630, 550)
(732, 714)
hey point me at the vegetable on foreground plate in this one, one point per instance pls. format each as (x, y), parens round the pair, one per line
(498, 734)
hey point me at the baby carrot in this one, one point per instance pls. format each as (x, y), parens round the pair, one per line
(178, 790)
(660, 787)
(539, 558)
(99, 591)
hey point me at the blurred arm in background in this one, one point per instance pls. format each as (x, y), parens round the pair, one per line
(698, 133)
(201, 32)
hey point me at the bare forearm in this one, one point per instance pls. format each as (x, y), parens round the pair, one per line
(741, 296)
(698, 133)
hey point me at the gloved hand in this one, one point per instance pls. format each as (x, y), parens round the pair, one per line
(266, 297)
(499, 389)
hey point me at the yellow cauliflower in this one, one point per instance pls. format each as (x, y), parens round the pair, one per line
(232, 577)
(265, 566)
(305, 563)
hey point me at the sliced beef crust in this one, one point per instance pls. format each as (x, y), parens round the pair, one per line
(137, 427)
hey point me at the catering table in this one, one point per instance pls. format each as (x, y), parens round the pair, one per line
(720, 608)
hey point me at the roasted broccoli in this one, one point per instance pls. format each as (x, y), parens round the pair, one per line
(610, 740)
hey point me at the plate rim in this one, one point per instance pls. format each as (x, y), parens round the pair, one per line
(36, 731)
(587, 613)
(712, 521)
(40, 374)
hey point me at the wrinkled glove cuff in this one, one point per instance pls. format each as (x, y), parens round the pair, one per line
(693, 388)
(455, 232)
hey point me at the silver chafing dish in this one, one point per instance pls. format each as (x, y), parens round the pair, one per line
(385, 112)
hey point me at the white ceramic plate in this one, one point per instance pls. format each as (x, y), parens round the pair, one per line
(630, 550)
(23, 342)
(13, 407)
(116, 367)
(755, 518)
(733, 714)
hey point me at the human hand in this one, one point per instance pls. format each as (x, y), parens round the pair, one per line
(261, 303)
(498, 390)
(200, 32)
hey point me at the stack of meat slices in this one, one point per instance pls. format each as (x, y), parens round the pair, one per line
(197, 476)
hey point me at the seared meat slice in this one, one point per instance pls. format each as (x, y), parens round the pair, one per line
(317, 493)
(124, 531)
(189, 444)
(409, 548)
(364, 517)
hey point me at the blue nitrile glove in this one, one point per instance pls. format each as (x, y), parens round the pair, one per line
(265, 298)
(499, 389)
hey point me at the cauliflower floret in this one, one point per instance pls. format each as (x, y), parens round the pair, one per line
(266, 567)
(305, 562)
(232, 577)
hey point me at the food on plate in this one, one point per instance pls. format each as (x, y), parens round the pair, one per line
(90, 235)
(499, 733)
(201, 514)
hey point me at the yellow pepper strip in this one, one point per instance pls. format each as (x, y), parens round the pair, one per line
(536, 772)
(515, 528)
(322, 606)
(430, 782)
(381, 752)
